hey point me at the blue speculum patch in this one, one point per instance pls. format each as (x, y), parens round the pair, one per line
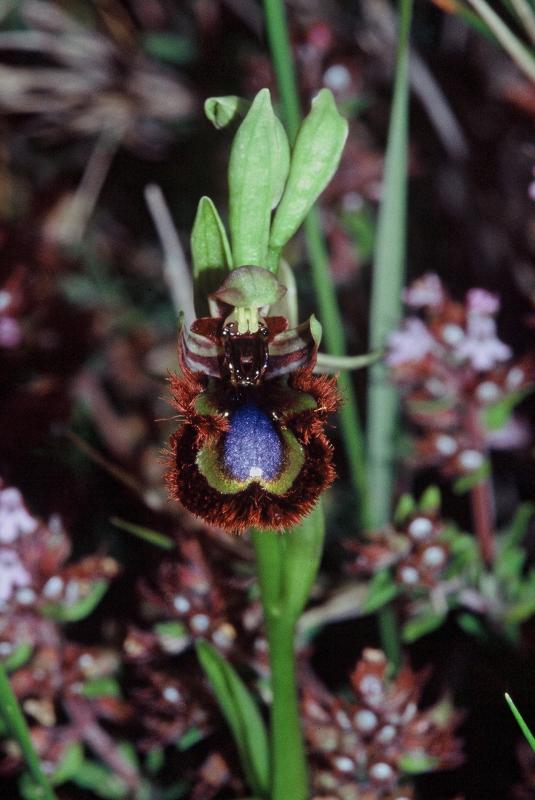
(252, 447)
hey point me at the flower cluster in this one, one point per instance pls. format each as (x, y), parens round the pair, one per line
(252, 449)
(369, 746)
(415, 549)
(459, 380)
(64, 687)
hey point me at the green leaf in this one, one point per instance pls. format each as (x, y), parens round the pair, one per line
(73, 612)
(381, 591)
(517, 528)
(517, 50)
(101, 687)
(221, 111)
(430, 500)
(467, 482)
(255, 171)
(100, 780)
(155, 760)
(416, 763)
(422, 625)
(69, 764)
(210, 253)
(18, 656)
(303, 548)
(11, 714)
(241, 714)
(169, 47)
(522, 724)
(472, 625)
(498, 414)
(404, 508)
(190, 738)
(147, 534)
(315, 157)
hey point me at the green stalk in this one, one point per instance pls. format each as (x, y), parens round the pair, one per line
(277, 31)
(16, 725)
(388, 279)
(288, 760)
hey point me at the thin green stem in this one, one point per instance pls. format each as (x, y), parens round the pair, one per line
(277, 30)
(288, 760)
(388, 278)
(16, 724)
(289, 771)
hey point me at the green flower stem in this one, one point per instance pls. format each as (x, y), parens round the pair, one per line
(288, 761)
(289, 770)
(277, 31)
(388, 278)
(17, 727)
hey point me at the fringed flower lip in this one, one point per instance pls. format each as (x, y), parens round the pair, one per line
(251, 450)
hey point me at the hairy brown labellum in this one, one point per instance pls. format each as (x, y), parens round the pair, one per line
(252, 450)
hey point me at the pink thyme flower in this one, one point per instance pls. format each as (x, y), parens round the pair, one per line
(10, 332)
(479, 301)
(514, 435)
(411, 343)
(425, 292)
(481, 346)
(12, 574)
(14, 517)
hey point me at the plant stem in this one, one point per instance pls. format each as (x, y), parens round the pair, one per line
(288, 760)
(289, 772)
(16, 724)
(388, 278)
(277, 30)
(481, 495)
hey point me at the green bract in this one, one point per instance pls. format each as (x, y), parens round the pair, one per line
(254, 176)
(210, 251)
(316, 154)
(221, 111)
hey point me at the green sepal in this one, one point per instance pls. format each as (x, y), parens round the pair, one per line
(105, 686)
(210, 253)
(315, 157)
(417, 763)
(173, 635)
(287, 305)
(256, 172)
(249, 287)
(467, 482)
(73, 612)
(221, 111)
(242, 716)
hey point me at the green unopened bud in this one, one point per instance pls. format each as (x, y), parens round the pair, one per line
(221, 111)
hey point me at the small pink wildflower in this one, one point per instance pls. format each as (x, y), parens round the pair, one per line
(411, 343)
(12, 574)
(14, 517)
(481, 346)
(425, 292)
(479, 301)
(10, 332)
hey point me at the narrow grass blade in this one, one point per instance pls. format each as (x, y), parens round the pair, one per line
(147, 534)
(518, 51)
(523, 727)
(13, 717)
